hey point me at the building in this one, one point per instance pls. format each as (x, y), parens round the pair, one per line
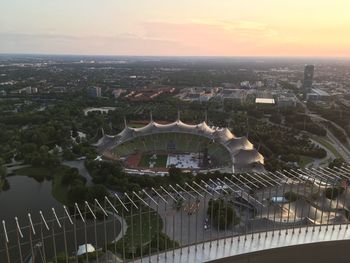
(231, 153)
(117, 93)
(317, 95)
(148, 94)
(200, 94)
(308, 78)
(29, 90)
(94, 91)
(58, 89)
(200, 97)
(269, 101)
(245, 84)
(237, 96)
(286, 100)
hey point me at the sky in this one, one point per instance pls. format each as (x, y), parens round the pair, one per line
(318, 28)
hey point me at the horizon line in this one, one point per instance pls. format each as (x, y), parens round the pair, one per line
(175, 56)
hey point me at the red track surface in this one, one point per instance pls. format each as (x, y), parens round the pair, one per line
(133, 160)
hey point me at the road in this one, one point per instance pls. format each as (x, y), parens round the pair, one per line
(333, 138)
(319, 162)
(341, 149)
(316, 162)
(313, 115)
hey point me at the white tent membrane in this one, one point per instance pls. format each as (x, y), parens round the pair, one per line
(243, 155)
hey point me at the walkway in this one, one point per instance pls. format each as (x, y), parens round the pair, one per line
(230, 247)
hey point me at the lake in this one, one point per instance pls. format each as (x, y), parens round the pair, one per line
(29, 196)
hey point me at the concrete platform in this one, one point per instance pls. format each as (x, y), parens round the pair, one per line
(307, 246)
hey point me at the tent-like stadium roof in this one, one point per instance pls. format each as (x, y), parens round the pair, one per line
(242, 152)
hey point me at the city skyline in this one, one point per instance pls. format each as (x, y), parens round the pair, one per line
(164, 28)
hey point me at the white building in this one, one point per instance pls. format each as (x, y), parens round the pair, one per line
(29, 90)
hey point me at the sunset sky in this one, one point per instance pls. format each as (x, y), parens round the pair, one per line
(176, 27)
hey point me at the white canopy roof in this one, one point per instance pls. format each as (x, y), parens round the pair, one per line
(86, 248)
(242, 151)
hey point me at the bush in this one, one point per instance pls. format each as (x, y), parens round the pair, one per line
(338, 162)
(291, 196)
(69, 176)
(218, 207)
(77, 194)
(96, 192)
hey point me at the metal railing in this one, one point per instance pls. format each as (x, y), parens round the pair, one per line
(138, 225)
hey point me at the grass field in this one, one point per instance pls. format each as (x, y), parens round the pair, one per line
(304, 161)
(159, 162)
(145, 232)
(173, 143)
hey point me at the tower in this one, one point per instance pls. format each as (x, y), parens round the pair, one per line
(308, 78)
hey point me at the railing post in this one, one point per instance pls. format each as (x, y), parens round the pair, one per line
(6, 241)
(296, 206)
(282, 206)
(262, 208)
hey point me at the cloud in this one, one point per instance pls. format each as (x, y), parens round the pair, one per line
(123, 44)
(188, 38)
(215, 37)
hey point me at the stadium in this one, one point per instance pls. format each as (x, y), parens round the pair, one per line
(156, 147)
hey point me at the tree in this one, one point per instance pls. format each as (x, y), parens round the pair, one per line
(2, 168)
(333, 193)
(28, 148)
(68, 155)
(222, 212)
(77, 194)
(4, 184)
(70, 176)
(291, 196)
(96, 192)
(34, 159)
(337, 162)
(175, 175)
(74, 131)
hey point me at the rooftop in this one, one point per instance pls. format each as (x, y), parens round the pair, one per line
(241, 150)
(264, 101)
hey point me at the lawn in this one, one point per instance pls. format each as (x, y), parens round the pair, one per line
(145, 234)
(159, 162)
(59, 192)
(304, 161)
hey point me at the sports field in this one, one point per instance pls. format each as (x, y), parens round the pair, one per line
(184, 161)
(153, 160)
(172, 143)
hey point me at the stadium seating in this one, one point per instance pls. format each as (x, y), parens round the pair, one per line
(175, 143)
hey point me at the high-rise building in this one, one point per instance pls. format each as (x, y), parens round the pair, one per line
(308, 78)
(94, 91)
(28, 90)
